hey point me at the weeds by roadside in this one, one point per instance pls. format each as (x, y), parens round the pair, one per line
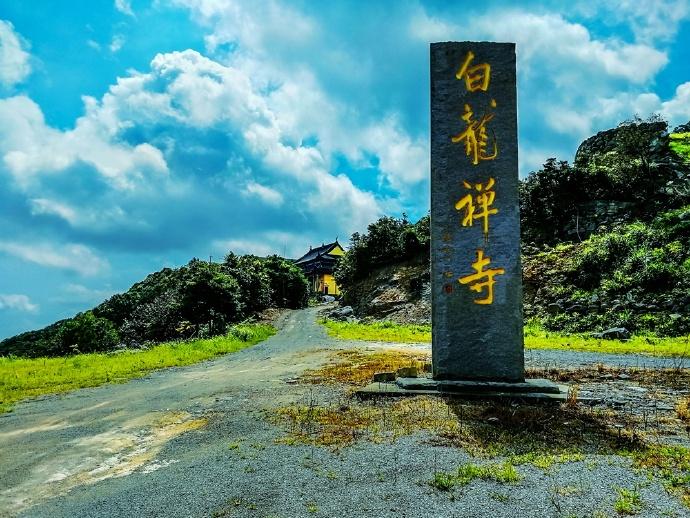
(503, 473)
(22, 378)
(535, 338)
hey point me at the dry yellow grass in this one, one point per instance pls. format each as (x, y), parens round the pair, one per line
(683, 409)
(353, 367)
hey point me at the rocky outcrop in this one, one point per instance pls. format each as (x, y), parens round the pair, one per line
(399, 292)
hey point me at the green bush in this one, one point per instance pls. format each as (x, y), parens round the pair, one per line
(85, 333)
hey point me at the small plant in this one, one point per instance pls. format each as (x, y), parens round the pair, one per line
(573, 392)
(683, 409)
(500, 497)
(629, 501)
(312, 507)
(504, 473)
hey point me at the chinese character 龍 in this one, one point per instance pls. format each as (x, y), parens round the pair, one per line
(475, 136)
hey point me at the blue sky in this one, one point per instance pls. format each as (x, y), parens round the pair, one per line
(137, 134)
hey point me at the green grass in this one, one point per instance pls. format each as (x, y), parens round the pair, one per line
(504, 473)
(22, 378)
(536, 337)
(680, 144)
(628, 502)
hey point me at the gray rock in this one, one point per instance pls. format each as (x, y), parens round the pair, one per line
(341, 313)
(407, 372)
(614, 333)
(382, 377)
(553, 309)
(328, 298)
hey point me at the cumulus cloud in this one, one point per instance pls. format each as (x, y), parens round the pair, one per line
(649, 21)
(265, 194)
(18, 303)
(73, 257)
(29, 147)
(14, 59)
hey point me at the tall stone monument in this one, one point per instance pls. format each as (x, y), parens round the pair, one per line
(476, 277)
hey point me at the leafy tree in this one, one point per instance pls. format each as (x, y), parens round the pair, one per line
(388, 240)
(85, 333)
(253, 279)
(549, 201)
(289, 286)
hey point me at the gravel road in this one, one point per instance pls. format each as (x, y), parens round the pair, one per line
(194, 441)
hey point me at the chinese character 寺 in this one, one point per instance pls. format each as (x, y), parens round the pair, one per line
(475, 136)
(478, 207)
(476, 77)
(478, 285)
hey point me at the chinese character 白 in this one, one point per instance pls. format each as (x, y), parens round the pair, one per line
(476, 77)
(475, 280)
(475, 136)
(479, 206)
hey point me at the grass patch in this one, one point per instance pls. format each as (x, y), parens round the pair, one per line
(353, 367)
(628, 502)
(536, 337)
(524, 434)
(671, 464)
(503, 473)
(683, 409)
(385, 331)
(545, 460)
(22, 378)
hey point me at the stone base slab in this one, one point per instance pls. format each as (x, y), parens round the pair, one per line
(473, 391)
(528, 386)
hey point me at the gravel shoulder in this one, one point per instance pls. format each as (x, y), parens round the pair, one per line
(196, 441)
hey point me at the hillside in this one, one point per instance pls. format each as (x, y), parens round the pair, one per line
(606, 241)
(198, 300)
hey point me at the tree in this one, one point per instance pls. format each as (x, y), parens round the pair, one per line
(85, 333)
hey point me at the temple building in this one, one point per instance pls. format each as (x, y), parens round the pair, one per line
(318, 265)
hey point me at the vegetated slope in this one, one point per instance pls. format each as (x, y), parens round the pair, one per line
(200, 299)
(606, 241)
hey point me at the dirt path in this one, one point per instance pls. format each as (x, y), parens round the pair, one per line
(53, 444)
(194, 441)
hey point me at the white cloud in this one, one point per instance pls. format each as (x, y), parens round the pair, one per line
(116, 43)
(29, 147)
(256, 26)
(554, 45)
(80, 217)
(81, 292)
(124, 6)
(73, 257)
(18, 302)
(649, 21)
(265, 194)
(14, 60)
(285, 244)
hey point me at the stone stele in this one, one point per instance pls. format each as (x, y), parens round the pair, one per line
(475, 223)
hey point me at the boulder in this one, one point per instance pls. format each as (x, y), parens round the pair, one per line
(614, 333)
(341, 313)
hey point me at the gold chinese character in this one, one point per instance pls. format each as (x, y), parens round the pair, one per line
(475, 284)
(478, 207)
(475, 136)
(476, 77)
